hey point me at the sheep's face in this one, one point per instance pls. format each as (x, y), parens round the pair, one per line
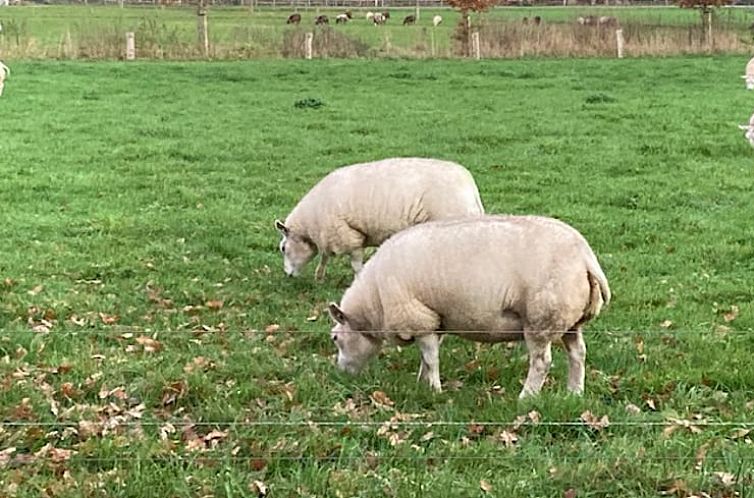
(355, 348)
(297, 251)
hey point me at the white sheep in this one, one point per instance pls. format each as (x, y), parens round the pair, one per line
(487, 279)
(436, 20)
(749, 129)
(749, 76)
(370, 16)
(379, 18)
(4, 73)
(361, 205)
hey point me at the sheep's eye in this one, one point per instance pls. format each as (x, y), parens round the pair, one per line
(334, 337)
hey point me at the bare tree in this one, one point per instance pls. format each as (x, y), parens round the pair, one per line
(705, 10)
(463, 31)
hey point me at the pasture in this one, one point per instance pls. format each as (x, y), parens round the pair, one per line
(97, 32)
(151, 345)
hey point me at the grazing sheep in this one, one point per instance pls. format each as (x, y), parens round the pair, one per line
(379, 19)
(386, 15)
(587, 20)
(293, 19)
(4, 73)
(749, 129)
(607, 21)
(370, 16)
(488, 279)
(361, 205)
(343, 18)
(749, 76)
(322, 19)
(410, 19)
(436, 20)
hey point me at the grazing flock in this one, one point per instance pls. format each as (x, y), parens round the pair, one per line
(443, 266)
(376, 18)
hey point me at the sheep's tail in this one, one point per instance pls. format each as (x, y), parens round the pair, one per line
(599, 291)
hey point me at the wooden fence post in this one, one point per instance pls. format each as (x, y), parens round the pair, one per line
(308, 45)
(201, 28)
(475, 47)
(130, 46)
(619, 41)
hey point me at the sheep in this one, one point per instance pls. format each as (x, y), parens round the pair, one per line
(749, 76)
(607, 21)
(293, 19)
(361, 205)
(587, 20)
(410, 19)
(487, 279)
(322, 19)
(343, 18)
(436, 20)
(4, 73)
(370, 16)
(749, 129)
(378, 19)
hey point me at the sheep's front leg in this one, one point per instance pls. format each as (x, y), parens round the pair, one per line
(576, 349)
(357, 260)
(319, 273)
(540, 359)
(429, 345)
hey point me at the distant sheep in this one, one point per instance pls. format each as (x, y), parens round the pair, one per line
(361, 205)
(410, 19)
(486, 279)
(322, 19)
(4, 73)
(436, 20)
(343, 18)
(370, 16)
(749, 76)
(607, 21)
(293, 19)
(379, 19)
(749, 129)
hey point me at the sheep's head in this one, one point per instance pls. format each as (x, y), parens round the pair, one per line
(355, 348)
(297, 250)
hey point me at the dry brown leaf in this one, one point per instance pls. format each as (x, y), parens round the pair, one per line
(726, 478)
(108, 319)
(485, 486)
(215, 304)
(508, 438)
(173, 392)
(666, 324)
(534, 416)
(639, 343)
(595, 423)
(150, 345)
(381, 400)
(272, 328)
(36, 290)
(5, 456)
(731, 315)
(199, 363)
(569, 493)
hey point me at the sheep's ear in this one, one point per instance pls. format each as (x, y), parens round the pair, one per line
(337, 314)
(281, 227)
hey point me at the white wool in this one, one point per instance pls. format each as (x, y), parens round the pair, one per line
(4, 73)
(436, 20)
(491, 274)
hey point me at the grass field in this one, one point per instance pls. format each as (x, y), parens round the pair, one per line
(152, 346)
(77, 31)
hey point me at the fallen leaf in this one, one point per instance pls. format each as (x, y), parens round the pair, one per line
(508, 438)
(214, 304)
(108, 319)
(199, 363)
(534, 416)
(381, 400)
(595, 423)
(36, 290)
(726, 478)
(632, 409)
(569, 493)
(150, 345)
(173, 392)
(5, 456)
(272, 328)
(485, 486)
(731, 315)
(666, 324)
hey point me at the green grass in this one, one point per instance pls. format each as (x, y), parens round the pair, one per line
(79, 31)
(147, 191)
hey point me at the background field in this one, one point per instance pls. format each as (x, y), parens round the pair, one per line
(151, 344)
(97, 32)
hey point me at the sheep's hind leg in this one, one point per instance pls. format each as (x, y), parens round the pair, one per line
(576, 349)
(357, 260)
(429, 345)
(540, 359)
(319, 273)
